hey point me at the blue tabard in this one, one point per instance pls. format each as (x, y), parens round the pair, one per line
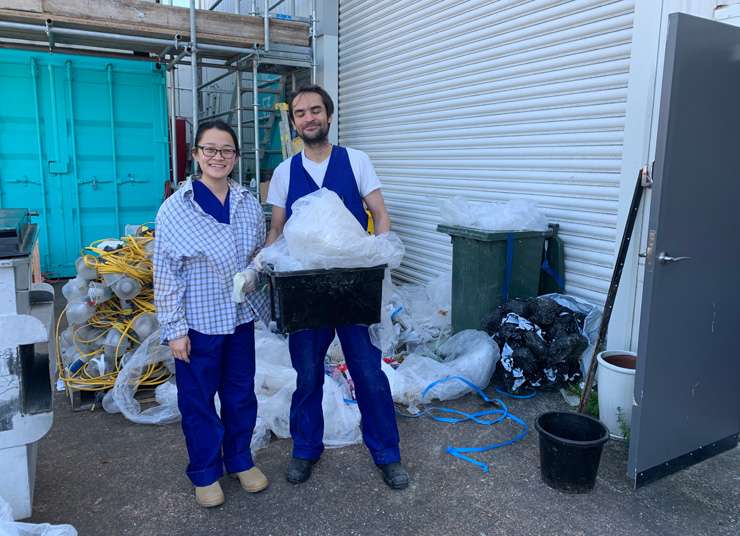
(339, 179)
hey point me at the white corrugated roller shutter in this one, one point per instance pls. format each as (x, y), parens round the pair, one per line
(491, 101)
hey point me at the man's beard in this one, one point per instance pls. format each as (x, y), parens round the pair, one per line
(319, 137)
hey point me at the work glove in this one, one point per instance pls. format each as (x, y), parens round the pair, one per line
(258, 262)
(244, 282)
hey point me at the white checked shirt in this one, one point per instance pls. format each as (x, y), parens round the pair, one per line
(195, 260)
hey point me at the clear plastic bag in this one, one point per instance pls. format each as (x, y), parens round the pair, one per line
(515, 215)
(322, 233)
(122, 395)
(8, 527)
(413, 314)
(341, 417)
(275, 381)
(428, 305)
(383, 334)
(278, 256)
(166, 394)
(471, 354)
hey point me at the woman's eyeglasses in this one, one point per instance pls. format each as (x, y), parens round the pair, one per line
(227, 153)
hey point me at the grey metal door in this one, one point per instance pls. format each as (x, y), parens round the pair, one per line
(687, 385)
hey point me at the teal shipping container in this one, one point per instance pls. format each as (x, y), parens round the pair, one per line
(84, 142)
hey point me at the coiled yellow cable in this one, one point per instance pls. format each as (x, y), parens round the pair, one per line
(133, 260)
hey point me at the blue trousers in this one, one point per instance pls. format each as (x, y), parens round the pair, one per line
(307, 350)
(222, 364)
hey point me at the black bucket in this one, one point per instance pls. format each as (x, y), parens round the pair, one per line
(570, 450)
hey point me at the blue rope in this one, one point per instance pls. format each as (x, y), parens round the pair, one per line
(530, 394)
(461, 416)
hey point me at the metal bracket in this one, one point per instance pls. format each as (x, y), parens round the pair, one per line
(180, 55)
(50, 34)
(131, 178)
(24, 180)
(161, 57)
(650, 251)
(647, 181)
(94, 181)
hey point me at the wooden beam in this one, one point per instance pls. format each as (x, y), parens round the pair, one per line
(137, 17)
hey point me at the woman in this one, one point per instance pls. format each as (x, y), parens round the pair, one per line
(206, 233)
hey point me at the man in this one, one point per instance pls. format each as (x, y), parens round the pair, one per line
(350, 174)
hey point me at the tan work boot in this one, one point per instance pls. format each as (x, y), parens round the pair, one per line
(252, 480)
(209, 496)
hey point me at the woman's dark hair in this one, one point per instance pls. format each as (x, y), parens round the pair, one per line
(218, 125)
(325, 97)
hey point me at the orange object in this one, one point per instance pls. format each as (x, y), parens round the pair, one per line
(36, 274)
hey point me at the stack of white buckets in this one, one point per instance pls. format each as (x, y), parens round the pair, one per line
(616, 381)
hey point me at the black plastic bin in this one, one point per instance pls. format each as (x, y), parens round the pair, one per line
(320, 298)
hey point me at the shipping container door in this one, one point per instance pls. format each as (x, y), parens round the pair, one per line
(83, 141)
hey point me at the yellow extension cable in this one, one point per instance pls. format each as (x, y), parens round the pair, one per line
(133, 261)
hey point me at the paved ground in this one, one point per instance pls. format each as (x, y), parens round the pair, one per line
(106, 475)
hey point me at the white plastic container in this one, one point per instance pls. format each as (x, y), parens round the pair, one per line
(615, 377)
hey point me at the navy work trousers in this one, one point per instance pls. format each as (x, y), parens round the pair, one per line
(222, 364)
(307, 350)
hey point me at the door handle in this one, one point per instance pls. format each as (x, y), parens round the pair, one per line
(666, 259)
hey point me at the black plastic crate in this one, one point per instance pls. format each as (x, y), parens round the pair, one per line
(320, 298)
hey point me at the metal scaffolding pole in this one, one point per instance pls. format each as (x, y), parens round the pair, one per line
(267, 25)
(313, 41)
(173, 126)
(238, 89)
(255, 107)
(194, 68)
(119, 41)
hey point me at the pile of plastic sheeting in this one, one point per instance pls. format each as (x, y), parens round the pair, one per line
(322, 233)
(412, 315)
(150, 353)
(8, 527)
(109, 311)
(544, 341)
(516, 215)
(411, 365)
(275, 382)
(469, 354)
(414, 338)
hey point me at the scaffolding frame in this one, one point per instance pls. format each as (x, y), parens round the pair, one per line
(255, 58)
(273, 57)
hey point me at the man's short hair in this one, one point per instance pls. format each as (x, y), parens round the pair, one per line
(325, 97)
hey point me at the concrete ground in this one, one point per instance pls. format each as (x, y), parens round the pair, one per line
(108, 476)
